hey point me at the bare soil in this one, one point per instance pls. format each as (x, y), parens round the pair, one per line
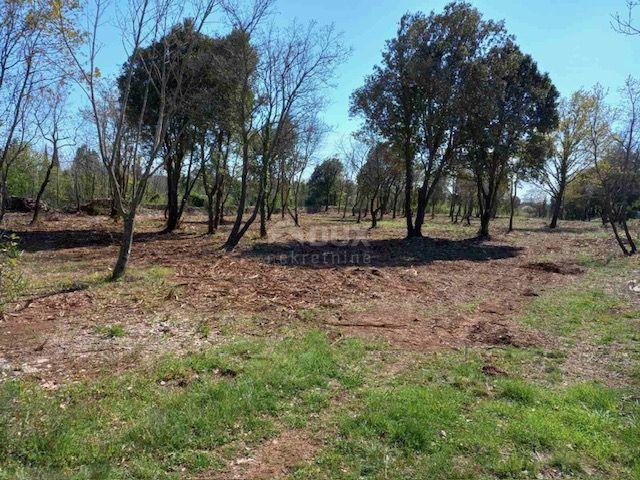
(450, 290)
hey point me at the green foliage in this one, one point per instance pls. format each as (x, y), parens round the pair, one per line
(25, 172)
(197, 201)
(324, 184)
(11, 281)
(112, 331)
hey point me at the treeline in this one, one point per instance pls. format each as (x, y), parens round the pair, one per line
(228, 119)
(456, 104)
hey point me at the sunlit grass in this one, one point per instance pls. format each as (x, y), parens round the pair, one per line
(173, 419)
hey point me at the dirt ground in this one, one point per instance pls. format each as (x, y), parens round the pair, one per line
(446, 291)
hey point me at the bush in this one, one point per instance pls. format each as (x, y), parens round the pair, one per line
(197, 201)
(11, 281)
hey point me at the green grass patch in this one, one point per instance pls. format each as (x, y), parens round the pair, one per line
(462, 424)
(181, 417)
(566, 313)
(111, 331)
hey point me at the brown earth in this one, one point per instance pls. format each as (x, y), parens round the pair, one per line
(446, 291)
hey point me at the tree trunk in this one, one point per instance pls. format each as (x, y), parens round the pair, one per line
(632, 244)
(43, 187)
(408, 188)
(514, 190)
(420, 211)
(485, 220)
(173, 207)
(233, 238)
(457, 214)
(263, 220)
(344, 209)
(263, 200)
(618, 239)
(3, 197)
(395, 201)
(211, 222)
(557, 206)
(125, 247)
(374, 213)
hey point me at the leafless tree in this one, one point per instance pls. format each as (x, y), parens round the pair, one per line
(310, 133)
(624, 22)
(355, 150)
(614, 158)
(24, 40)
(53, 128)
(292, 67)
(143, 21)
(567, 153)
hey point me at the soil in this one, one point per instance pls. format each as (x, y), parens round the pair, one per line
(273, 459)
(450, 290)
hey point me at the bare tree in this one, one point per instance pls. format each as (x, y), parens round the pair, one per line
(381, 170)
(624, 22)
(567, 152)
(53, 129)
(293, 66)
(144, 21)
(24, 40)
(615, 157)
(310, 132)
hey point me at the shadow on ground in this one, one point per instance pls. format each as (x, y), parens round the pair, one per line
(545, 229)
(39, 240)
(378, 253)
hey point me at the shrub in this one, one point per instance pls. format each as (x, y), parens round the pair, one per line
(197, 201)
(11, 281)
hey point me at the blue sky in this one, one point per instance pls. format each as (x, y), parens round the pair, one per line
(571, 39)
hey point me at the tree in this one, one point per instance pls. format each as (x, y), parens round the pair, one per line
(463, 193)
(214, 128)
(615, 158)
(415, 98)
(121, 146)
(354, 151)
(202, 62)
(85, 171)
(294, 66)
(310, 132)
(52, 128)
(567, 152)
(526, 165)
(447, 45)
(324, 183)
(389, 103)
(625, 23)
(509, 102)
(376, 178)
(29, 57)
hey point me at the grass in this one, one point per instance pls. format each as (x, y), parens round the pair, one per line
(441, 418)
(179, 418)
(514, 430)
(447, 420)
(438, 416)
(111, 331)
(444, 418)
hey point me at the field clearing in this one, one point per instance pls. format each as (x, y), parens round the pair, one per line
(309, 356)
